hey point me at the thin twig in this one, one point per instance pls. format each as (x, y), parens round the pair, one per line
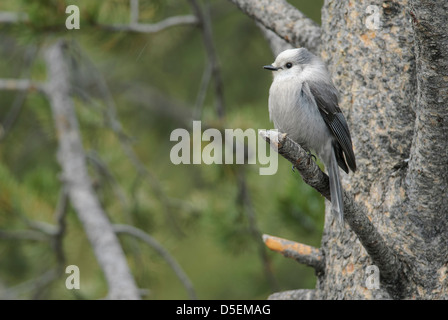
(103, 169)
(36, 284)
(59, 215)
(203, 16)
(20, 85)
(249, 210)
(134, 12)
(13, 17)
(205, 81)
(153, 243)
(23, 235)
(153, 27)
(112, 121)
(16, 107)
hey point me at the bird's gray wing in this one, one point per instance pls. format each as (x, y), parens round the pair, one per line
(326, 99)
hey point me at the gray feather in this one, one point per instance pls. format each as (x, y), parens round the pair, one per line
(337, 202)
(303, 103)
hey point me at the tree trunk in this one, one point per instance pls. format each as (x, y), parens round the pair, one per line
(389, 62)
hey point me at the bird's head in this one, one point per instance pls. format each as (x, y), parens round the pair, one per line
(291, 61)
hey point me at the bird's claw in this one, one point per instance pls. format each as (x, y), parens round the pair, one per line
(312, 156)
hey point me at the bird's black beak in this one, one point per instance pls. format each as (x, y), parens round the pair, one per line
(271, 67)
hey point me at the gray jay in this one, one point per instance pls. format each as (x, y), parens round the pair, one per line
(303, 103)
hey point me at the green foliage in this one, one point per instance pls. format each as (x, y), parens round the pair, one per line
(194, 211)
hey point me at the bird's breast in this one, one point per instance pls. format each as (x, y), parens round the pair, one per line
(296, 114)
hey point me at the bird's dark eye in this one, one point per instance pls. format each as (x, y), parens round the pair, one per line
(288, 65)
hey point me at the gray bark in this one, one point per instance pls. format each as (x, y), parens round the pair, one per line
(427, 176)
(394, 92)
(71, 157)
(285, 20)
(303, 294)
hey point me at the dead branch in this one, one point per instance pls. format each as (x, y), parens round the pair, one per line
(59, 215)
(113, 123)
(301, 160)
(20, 85)
(205, 24)
(153, 243)
(71, 157)
(302, 253)
(153, 27)
(246, 203)
(22, 235)
(36, 284)
(13, 17)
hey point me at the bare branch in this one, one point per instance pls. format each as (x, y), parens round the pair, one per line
(303, 294)
(36, 284)
(59, 215)
(134, 12)
(205, 24)
(153, 27)
(110, 115)
(13, 17)
(20, 85)
(382, 255)
(18, 103)
(302, 253)
(291, 151)
(71, 156)
(103, 169)
(249, 210)
(151, 99)
(153, 243)
(285, 20)
(22, 235)
(42, 226)
(205, 81)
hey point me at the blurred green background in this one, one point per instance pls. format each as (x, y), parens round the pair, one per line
(197, 212)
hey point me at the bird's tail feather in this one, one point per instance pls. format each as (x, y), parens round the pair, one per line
(337, 202)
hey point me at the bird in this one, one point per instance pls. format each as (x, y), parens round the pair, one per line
(304, 104)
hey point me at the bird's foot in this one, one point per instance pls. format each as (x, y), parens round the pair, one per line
(312, 156)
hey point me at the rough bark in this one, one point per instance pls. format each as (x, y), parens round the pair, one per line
(303, 294)
(394, 92)
(355, 213)
(71, 156)
(427, 175)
